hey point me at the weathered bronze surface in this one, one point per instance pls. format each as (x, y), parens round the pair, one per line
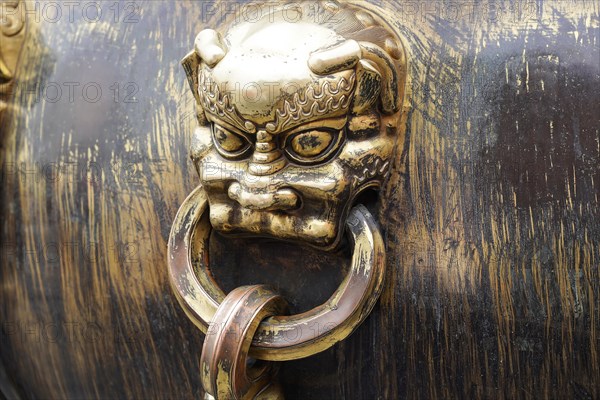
(490, 213)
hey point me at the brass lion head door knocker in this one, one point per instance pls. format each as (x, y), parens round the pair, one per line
(299, 113)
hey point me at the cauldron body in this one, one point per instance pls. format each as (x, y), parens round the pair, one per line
(490, 214)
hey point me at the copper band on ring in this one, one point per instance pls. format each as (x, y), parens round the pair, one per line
(223, 364)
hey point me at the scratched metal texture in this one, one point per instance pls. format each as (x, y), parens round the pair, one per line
(491, 213)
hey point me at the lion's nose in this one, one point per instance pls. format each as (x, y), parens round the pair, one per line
(282, 199)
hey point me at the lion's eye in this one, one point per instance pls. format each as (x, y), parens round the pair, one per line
(228, 143)
(313, 146)
(310, 144)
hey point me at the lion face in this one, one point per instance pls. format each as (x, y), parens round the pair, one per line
(296, 123)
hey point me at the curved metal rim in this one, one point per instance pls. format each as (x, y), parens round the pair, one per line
(223, 363)
(278, 338)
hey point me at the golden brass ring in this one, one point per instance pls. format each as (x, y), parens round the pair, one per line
(278, 338)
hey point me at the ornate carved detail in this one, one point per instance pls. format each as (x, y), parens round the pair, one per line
(12, 22)
(323, 98)
(220, 104)
(379, 167)
(267, 146)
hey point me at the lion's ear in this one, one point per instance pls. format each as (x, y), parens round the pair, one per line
(368, 88)
(210, 49)
(190, 64)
